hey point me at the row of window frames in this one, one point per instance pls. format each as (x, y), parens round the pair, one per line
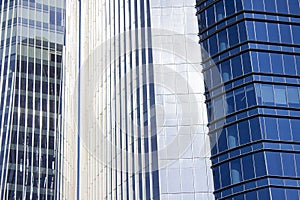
(263, 94)
(256, 17)
(252, 130)
(19, 138)
(35, 69)
(274, 63)
(241, 169)
(245, 168)
(12, 194)
(225, 8)
(38, 104)
(260, 31)
(38, 123)
(268, 193)
(38, 86)
(46, 181)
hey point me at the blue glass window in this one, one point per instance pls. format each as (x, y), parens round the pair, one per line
(232, 136)
(233, 35)
(258, 5)
(216, 175)
(220, 12)
(294, 6)
(246, 63)
(271, 128)
(226, 71)
(285, 33)
(229, 4)
(223, 41)
(236, 67)
(218, 107)
(210, 16)
(235, 171)
(229, 107)
(276, 60)
(264, 62)
(251, 99)
(52, 17)
(296, 31)
(288, 169)
(284, 129)
(291, 194)
(225, 175)
(248, 168)
(260, 169)
(213, 46)
(244, 132)
(222, 141)
(293, 96)
(255, 129)
(277, 193)
(282, 6)
(295, 129)
(240, 99)
(289, 64)
(297, 159)
(250, 30)
(261, 30)
(280, 95)
(273, 32)
(298, 64)
(216, 75)
(270, 5)
(242, 32)
(247, 5)
(267, 94)
(274, 163)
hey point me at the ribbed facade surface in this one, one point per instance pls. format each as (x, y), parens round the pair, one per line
(252, 76)
(32, 38)
(140, 91)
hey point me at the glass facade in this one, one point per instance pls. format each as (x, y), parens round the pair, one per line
(251, 71)
(140, 137)
(32, 38)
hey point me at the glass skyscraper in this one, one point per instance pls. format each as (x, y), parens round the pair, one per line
(32, 38)
(136, 91)
(252, 76)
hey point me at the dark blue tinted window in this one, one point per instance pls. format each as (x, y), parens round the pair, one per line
(277, 193)
(294, 6)
(244, 132)
(255, 129)
(258, 5)
(282, 6)
(248, 168)
(264, 62)
(276, 60)
(273, 32)
(270, 5)
(289, 164)
(284, 129)
(261, 30)
(274, 163)
(220, 12)
(229, 4)
(285, 33)
(271, 128)
(289, 64)
(224, 170)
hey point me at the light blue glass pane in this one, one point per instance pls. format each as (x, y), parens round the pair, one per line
(280, 95)
(267, 94)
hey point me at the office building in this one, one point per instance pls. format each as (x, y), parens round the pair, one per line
(32, 38)
(251, 72)
(135, 75)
